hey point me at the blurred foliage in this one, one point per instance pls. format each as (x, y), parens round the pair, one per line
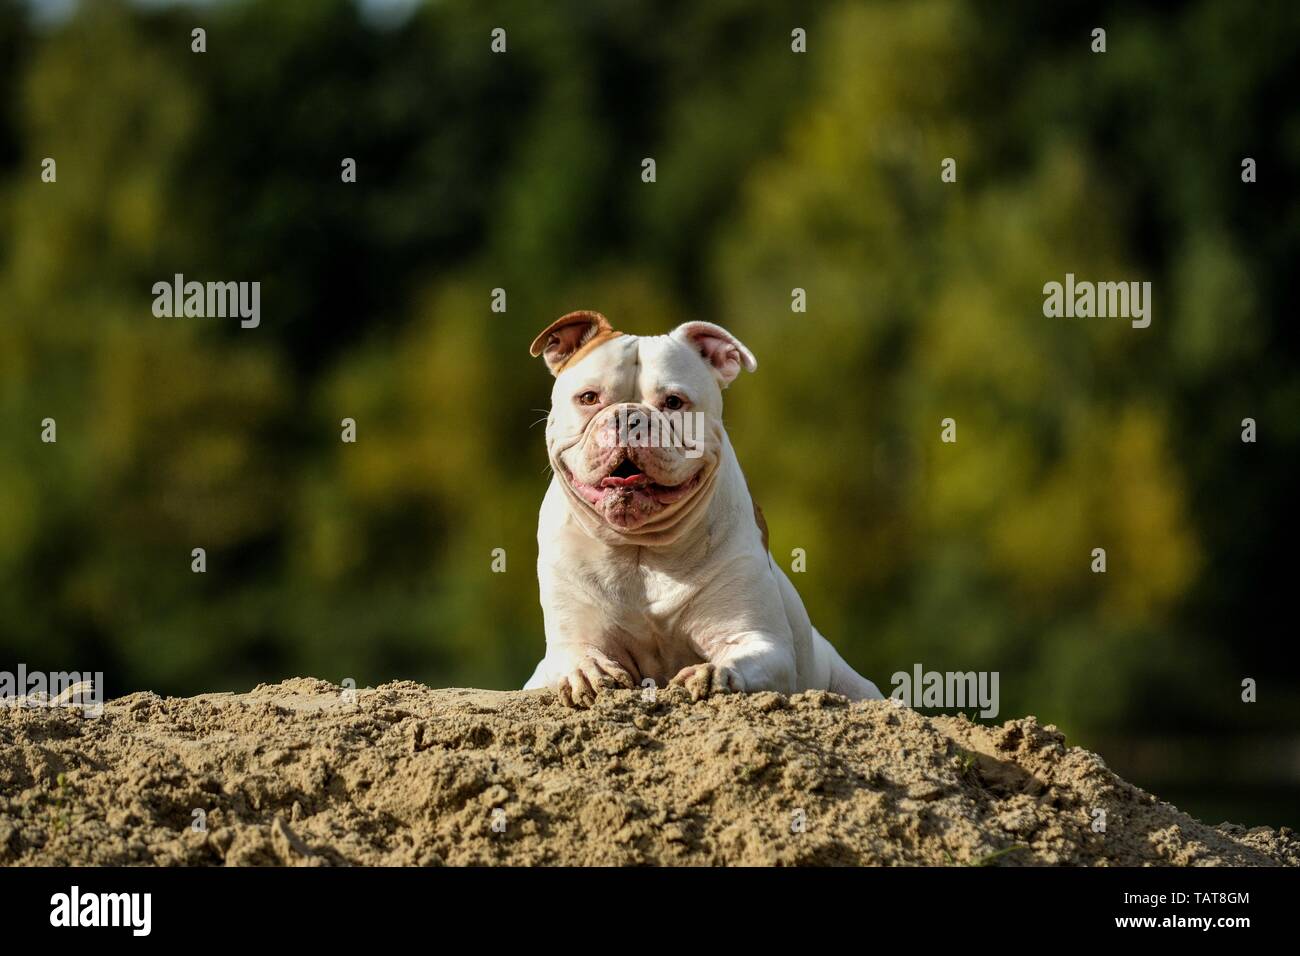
(775, 171)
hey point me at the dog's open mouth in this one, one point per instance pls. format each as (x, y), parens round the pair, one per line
(629, 485)
(626, 475)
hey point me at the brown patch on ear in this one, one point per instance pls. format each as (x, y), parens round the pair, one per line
(571, 336)
(600, 338)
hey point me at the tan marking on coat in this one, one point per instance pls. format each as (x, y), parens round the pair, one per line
(758, 515)
(762, 524)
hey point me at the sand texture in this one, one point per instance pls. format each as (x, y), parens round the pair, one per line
(299, 773)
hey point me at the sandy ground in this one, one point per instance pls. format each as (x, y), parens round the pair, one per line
(299, 774)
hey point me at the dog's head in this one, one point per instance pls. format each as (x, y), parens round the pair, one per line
(635, 429)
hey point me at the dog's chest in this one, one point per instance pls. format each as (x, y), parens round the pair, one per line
(649, 624)
(643, 597)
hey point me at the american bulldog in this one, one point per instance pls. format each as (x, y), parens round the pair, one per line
(653, 560)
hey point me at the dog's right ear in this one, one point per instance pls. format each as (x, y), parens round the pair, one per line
(564, 338)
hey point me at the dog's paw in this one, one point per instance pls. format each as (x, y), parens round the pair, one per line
(703, 680)
(589, 676)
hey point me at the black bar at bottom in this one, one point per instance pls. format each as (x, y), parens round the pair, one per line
(600, 906)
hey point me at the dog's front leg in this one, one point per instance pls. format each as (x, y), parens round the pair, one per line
(578, 672)
(745, 663)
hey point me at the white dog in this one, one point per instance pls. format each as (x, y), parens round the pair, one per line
(653, 559)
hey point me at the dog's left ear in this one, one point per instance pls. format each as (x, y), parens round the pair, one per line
(564, 338)
(724, 353)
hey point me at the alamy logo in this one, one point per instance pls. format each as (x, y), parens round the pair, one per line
(1124, 300)
(25, 688)
(74, 908)
(951, 690)
(638, 428)
(217, 300)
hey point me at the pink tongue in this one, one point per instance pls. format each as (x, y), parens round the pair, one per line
(615, 482)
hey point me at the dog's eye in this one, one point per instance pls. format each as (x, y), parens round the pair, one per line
(588, 398)
(673, 402)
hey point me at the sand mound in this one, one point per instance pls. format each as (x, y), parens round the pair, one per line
(296, 773)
